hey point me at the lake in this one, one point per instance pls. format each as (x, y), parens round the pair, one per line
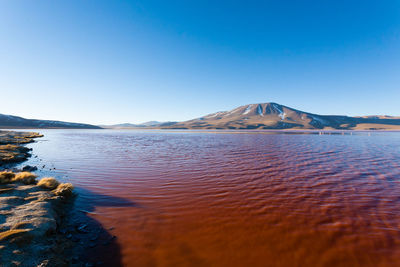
(225, 199)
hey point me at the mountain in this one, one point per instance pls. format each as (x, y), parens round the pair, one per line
(8, 121)
(148, 124)
(276, 116)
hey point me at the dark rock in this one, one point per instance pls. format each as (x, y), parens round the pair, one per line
(29, 168)
(107, 242)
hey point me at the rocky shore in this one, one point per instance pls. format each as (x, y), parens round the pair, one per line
(39, 224)
(12, 149)
(30, 214)
(31, 210)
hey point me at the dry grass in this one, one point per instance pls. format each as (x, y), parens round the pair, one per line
(12, 233)
(6, 177)
(22, 225)
(64, 190)
(25, 178)
(8, 147)
(48, 183)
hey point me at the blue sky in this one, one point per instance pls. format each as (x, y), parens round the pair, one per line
(133, 61)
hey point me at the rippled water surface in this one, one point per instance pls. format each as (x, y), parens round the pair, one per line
(223, 199)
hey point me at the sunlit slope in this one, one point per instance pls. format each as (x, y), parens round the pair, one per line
(276, 116)
(8, 121)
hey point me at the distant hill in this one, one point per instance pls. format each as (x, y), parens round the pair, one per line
(276, 116)
(149, 124)
(252, 116)
(8, 121)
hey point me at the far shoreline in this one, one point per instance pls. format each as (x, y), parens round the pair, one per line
(221, 131)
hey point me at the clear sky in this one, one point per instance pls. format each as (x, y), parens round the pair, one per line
(105, 62)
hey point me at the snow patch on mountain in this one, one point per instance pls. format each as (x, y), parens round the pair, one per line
(259, 111)
(281, 114)
(247, 110)
(317, 119)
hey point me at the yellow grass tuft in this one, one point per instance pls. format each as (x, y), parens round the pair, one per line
(6, 177)
(22, 225)
(64, 190)
(12, 233)
(8, 147)
(25, 178)
(48, 183)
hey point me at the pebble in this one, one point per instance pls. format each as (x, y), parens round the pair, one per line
(17, 251)
(82, 229)
(44, 263)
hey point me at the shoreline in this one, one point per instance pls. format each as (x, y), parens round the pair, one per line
(254, 131)
(12, 147)
(21, 129)
(31, 211)
(39, 224)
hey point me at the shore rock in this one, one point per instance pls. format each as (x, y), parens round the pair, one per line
(12, 149)
(29, 217)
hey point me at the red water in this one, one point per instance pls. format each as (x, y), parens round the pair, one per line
(206, 199)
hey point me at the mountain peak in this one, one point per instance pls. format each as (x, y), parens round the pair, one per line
(271, 115)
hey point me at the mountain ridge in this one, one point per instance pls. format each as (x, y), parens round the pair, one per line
(10, 121)
(146, 124)
(271, 115)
